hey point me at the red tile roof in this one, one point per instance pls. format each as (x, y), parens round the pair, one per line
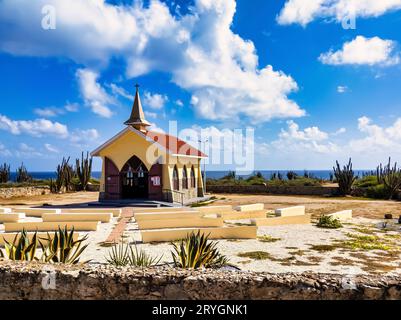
(174, 144)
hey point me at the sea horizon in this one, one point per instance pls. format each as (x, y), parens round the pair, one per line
(213, 174)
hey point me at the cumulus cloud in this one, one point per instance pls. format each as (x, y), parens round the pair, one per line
(377, 138)
(198, 49)
(155, 101)
(82, 138)
(305, 11)
(363, 51)
(51, 148)
(313, 139)
(93, 93)
(36, 128)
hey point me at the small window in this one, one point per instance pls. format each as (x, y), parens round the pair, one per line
(184, 178)
(176, 185)
(193, 181)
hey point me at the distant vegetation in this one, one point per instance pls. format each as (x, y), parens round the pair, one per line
(275, 179)
(68, 178)
(384, 183)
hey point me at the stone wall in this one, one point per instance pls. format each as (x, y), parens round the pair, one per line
(25, 281)
(284, 190)
(8, 193)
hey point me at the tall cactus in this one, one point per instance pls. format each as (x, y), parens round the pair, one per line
(64, 175)
(345, 177)
(22, 174)
(84, 170)
(390, 176)
(4, 173)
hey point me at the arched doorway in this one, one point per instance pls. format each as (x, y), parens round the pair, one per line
(134, 177)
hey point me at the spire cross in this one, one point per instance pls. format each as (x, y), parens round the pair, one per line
(137, 86)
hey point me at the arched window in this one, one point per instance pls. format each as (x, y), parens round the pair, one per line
(193, 181)
(176, 184)
(184, 178)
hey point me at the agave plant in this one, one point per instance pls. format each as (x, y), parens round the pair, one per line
(196, 251)
(119, 255)
(122, 255)
(62, 248)
(22, 248)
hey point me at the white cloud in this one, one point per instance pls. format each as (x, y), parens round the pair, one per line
(84, 138)
(310, 139)
(340, 131)
(154, 101)
(72, 107)
(198, 49)
(4, 152)
(51, 148)
(152, 115)
(179, 103)
(377, 138)
(363, 51)
(342, 89)
(26, 151)
(50, 112)
(305, 11)
(93, 93)
(36, 128)
(300, 11)
(121, 92)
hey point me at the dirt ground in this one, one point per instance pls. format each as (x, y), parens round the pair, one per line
(374, 209)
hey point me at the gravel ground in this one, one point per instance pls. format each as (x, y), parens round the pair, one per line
(292, 249)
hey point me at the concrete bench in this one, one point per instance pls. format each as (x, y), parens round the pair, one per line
(236, 215)
(243, 232)
(291, 211)
(167, 215)
(198, 222)
(5, 210)
(11, 217)
(250, 207)
(279, 221)
(214, 209)
(342, 215)
(115, 212)
(36, 212)
(160, 209)
(51, 226)
(9, 237)
(103, 217)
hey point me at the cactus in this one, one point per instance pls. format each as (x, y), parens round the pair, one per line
(64, 175)
(22, 174)
(4, 173)
(390, 176)
(84, 170)
(345, 177)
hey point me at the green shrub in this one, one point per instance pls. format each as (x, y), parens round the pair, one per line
(377, 192)
(366, 182)
(329, 222)
(196, 251)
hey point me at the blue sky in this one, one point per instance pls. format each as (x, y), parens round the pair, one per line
(312, 90)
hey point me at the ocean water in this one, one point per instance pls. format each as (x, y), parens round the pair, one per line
(321, 174)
